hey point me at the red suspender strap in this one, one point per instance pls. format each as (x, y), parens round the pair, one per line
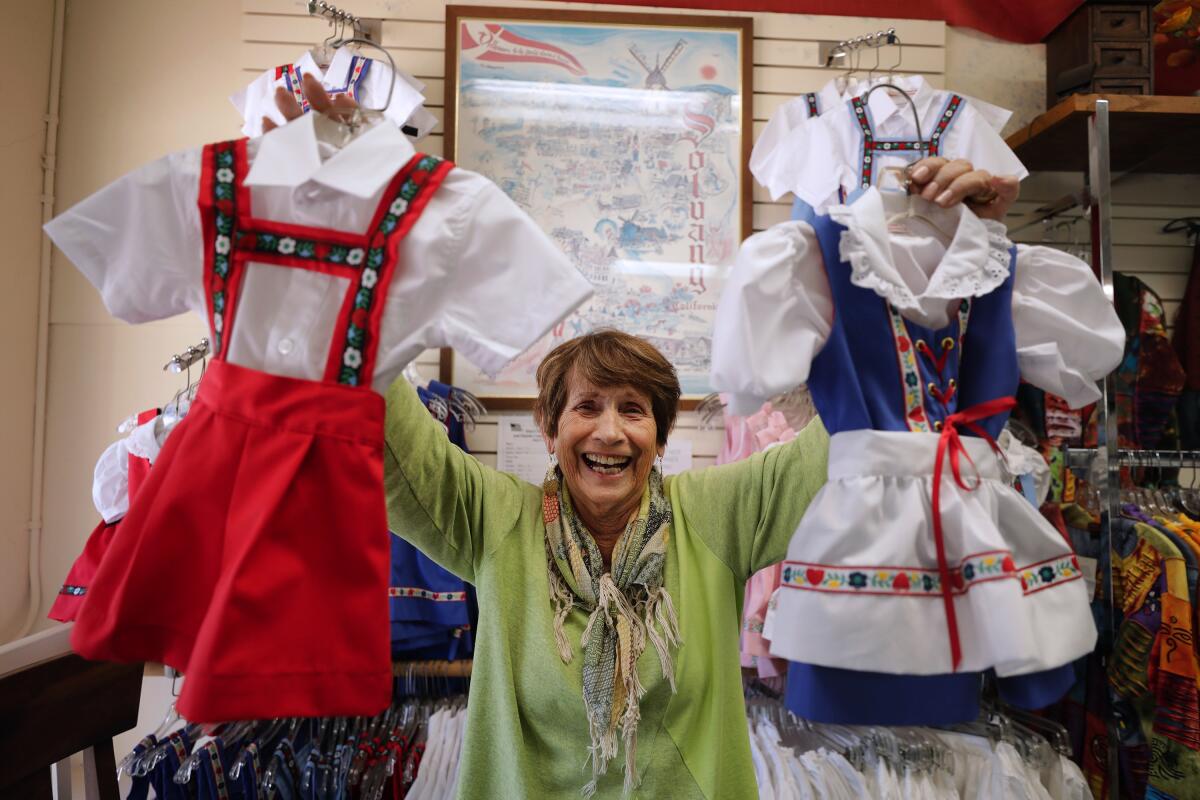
(356, 343)
(813, 109)
(948, 115)
(221, 194)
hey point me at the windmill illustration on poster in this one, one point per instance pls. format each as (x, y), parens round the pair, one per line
(624, 141)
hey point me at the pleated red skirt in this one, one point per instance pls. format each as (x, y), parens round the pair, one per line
(255, 556)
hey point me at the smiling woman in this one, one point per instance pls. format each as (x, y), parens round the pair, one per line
(608, 563)
(606, 404)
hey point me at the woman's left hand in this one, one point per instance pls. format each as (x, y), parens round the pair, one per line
(340, 105)
(946, 182)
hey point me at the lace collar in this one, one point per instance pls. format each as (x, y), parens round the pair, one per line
(974, 263)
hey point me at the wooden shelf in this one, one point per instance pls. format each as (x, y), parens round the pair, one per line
(1149, 133)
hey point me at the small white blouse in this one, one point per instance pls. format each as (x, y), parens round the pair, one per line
(817, 157)
(776, 311)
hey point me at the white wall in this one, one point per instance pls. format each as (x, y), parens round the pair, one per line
(140, 78)
(27, 80)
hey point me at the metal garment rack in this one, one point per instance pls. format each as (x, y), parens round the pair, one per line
(828, 52)
(1108, 457)
(1083, 457)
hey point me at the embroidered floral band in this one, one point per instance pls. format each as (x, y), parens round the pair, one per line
(920, 582)
(426, 594)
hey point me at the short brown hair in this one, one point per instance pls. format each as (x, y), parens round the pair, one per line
(607, 358)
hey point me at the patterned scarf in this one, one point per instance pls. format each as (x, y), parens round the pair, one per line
(626, 606)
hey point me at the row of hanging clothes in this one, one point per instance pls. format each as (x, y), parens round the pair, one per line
(409, 750)
(1142, 679)
(1005, 754)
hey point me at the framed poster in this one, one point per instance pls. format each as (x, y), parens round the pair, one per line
(627, 138)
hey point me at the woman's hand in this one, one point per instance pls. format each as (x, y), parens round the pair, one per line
(946, 182)
(339, 106)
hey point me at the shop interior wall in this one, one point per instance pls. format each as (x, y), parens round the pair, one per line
(142, 78)
(21, 145)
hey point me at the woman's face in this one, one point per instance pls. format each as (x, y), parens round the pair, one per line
(606, 445)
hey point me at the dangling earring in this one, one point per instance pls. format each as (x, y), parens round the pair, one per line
(553, 460)
(660, 465)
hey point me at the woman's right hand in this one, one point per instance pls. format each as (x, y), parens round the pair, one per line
(945, 182)
(339, 106)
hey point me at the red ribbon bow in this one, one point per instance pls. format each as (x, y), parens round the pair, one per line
(950, 441)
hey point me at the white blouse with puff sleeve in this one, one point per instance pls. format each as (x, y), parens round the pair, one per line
(776, 312)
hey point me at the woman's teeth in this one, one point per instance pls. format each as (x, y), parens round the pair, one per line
(606, 465)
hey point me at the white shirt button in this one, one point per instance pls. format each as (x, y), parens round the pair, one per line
(285, 346)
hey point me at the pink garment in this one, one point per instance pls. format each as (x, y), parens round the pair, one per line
(743, 437)
(739, 440)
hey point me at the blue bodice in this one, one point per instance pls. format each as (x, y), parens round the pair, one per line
(880, 371)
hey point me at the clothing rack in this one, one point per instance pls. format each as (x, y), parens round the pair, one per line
(364, 29)
(828, 52)
(319, 8)
(1083, 457)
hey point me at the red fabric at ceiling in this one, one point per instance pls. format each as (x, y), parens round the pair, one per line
(1014, 20)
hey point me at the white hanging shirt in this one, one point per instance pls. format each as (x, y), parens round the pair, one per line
(365, 79)
(776, 312)
(110, 479)
(824, 155)
(475, 272)
(769, 157)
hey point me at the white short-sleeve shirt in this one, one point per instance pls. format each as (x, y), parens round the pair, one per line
(817, 157)
(475, 272)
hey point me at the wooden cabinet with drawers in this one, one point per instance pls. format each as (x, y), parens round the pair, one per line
(1101, 48)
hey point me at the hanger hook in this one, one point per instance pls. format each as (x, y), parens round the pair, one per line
(895, 41)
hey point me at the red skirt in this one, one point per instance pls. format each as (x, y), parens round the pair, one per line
(255, 556)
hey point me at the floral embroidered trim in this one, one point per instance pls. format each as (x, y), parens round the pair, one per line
(1042, 576)
(910, 374)
(292, 77)
(422, 169)
(426, 594)
(813, 109)
(358, 68)
(920, 582)
(218, 772)
(753, 626)
(224, 197)
(943, 123)
(871, 144)
(181, 750)
(307, 249)
(72, 591)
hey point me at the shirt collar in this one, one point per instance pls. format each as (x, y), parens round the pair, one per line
(308, 65)
(830, 96)
(975, 261)
(292, 155)
(883, 107)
